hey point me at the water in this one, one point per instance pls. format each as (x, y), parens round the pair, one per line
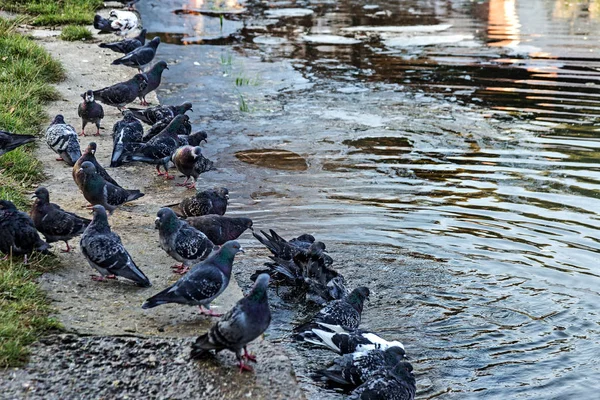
(447, 153)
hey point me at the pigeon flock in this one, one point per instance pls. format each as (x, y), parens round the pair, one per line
(195, 233)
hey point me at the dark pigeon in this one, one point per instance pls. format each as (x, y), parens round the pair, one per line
(394, 384)
(194, 139)
(141, 56)
(90, 155)
(152, 115)
(10, 141)
(127, 137)
(103, 24)
(352, 370)
(204, 283)
(121, 94)
(90, 111)
(105, 252)
(18, 235)
(337, 339)
(220, 229)
(97, 191)
(153, 76)
(183, 132)
(191, 163)
(62, 138)
(127, 45)
(181, 241)
(246, 321)
(211, 201)
(53, 222)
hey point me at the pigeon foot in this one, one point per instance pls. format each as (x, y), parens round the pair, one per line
(180, 269)
(248, 356)
(59, 159)
(209, 312)
(245, 367)
(67, 250)
(82, 133)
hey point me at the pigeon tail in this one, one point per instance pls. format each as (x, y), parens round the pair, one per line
(135, 274)
(133, 195)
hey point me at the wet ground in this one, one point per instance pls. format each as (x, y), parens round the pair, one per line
(446, 152)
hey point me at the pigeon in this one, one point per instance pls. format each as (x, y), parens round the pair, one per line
(345, 312)
(159, 149)
(97, 191)
(153, 76)
(103, 25)
(183, 132)
(10, 141)
(336, 338)
(53, 222)
(121, 94)
(352, 370)
(18, 235)
(211, 201)
(397, 383)
(127, 45)
(220, 229)
(246, 321)
(104, 251)
(181, 241)
(194, 139)
(152, 115)
(127, 138)
(124, 22)
(191, 163)
(140, 56)
(90, 155)
(90, 111)
(204, 283)
(62, 138)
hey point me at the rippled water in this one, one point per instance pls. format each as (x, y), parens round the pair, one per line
(445, 150)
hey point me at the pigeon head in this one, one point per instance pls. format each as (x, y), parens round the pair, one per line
(88, 96)
(166, 220)
(357, 297)
(222, 192)
(185, 107)
(113, 13)
(226, 253)
(160, 66)
(88, 168)
(42, 195)
(99, 213)
(403, 371)
(393, 355)
(154, 42)
(197, 137)
(128, 116)
(91, 148)
(197, 151)
(7, 205)
(59, 119)
(259, 290)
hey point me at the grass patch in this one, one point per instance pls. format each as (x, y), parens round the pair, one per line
(26, 72)
(55, 12)
(72, 33)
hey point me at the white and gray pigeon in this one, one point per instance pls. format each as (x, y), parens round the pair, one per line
(246, 321)
(127, 137)
(190, 161)
(126, 45)
(10, 141)
(204, 202)
(104, 251)
(337, 339)
(123, 22)
(181, 241)
(123, 93)
(152, 115)
(204, 283)
(352, 370)
(62, 138)
(153, 76)
(397, 383)
(90, 111)
(141, 56)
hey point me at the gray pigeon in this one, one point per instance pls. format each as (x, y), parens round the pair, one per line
(246, 321)
(97, 191)
(62, 138)
(18, 235)
(220, 229)
(10, 141)
(183, 131)
(123, 93)
(105, 252)
(397, 383)
(181, 241)
(127, 45)
(127, 137)
(204, 202)
(191, 163)
(194, 139)
(53, 222)
(152, 115)
(336, 338)
(90, 155)
(90, 111)
(140, 56)
(153, 76)
(204, 283)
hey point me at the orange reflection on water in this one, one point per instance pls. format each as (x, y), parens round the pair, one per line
(503, 23)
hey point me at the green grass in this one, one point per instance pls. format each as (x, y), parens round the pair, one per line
(55, 12)
(72, 33)
(26, 72)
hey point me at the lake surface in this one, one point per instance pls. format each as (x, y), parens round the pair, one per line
(446, 151)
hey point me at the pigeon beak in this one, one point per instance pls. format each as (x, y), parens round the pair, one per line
(34, 196)
(191, 109)
(241, 250)
(156, 223)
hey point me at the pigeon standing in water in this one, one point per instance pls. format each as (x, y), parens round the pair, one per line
(123, 93)
(397, 383)
(53, 222)
(10, 141)
(246, 321)
(211, 201)
(105, 252)
(62, 138)
(127, 45)
(141, 56)
(18, 235)
(97, 191)
(127, 137)
(220, 229)
(204, 283)
(152, 115)
(191, 163)
(181, 241)
(336, 338)
(90, 155)
(153, 76)
(90, 111)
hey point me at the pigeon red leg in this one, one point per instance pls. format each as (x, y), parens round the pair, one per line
(158, 171)
(248, 356)
(82, 133)
(184, 182)
(60, 159)
(68, 249)
(244, 367)
(209, 312)
(180, 269)
(98, 132)
(167, 176)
